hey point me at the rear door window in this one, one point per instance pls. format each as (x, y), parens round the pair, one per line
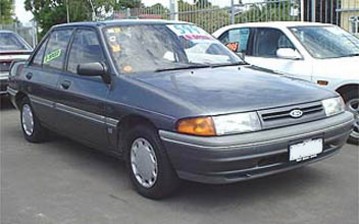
(39, 55)
(56, 48)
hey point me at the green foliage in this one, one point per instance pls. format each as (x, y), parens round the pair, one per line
(271, 11)
(51, 12)
(209, 17)
(6, 11)
(158, 9)
(124, 4)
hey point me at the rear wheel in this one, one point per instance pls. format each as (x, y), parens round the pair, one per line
(149, 168)
(30, 124)
(351, 99)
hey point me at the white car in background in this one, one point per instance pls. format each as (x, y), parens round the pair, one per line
(320, 53)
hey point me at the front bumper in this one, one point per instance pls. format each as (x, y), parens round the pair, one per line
(227, 159)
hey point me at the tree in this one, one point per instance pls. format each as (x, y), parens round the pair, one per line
(124, 4)
(6, 11)
(209, 17)
(51, 12)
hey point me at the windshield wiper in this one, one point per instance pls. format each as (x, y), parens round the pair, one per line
(230, 64)
(352, 55)
(182, 68)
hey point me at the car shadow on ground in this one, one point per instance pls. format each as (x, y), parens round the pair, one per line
(5, 103)
(190, 192)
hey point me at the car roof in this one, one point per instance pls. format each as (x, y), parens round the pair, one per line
(7, 31)
(278, 24)
(121, 22)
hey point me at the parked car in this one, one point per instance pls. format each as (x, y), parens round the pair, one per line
(12, 47)
(152, 93)
(321, 53)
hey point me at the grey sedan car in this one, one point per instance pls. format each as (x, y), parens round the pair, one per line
(174, 103)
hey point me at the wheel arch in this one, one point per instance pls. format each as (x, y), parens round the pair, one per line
(126, 123)
(18, 99)
(342, 90)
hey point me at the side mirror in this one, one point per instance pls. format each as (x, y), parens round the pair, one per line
(242, 55)
(288, 53)
(94, 69)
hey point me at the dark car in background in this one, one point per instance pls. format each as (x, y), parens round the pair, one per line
(174, 103)
(12, 47)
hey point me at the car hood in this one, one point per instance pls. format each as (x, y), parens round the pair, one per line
(343, 68)
(232, 89)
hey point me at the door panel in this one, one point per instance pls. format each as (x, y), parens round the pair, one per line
(82, 97)
(82, 108)
(41, 77)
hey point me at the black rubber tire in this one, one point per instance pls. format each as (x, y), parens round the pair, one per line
(347, 96)
(39, 132)
(167, 180)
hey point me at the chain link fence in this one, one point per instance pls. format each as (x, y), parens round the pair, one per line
(213, 14)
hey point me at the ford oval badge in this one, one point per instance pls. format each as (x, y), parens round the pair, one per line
(296, 113)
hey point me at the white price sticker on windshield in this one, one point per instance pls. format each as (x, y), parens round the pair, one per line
(190, 32)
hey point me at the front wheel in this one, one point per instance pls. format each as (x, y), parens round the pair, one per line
(30, 124)
(351, 99)
(148, 165)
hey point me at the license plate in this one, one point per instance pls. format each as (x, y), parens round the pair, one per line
(305, 150)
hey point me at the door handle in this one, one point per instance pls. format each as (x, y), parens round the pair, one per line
(65, 84)
(28, 75)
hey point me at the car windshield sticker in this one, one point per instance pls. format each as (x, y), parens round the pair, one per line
(190, 32)
(52, 56)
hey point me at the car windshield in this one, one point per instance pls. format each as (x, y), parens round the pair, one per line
(11, 42)
(146, 48)
(327, 41)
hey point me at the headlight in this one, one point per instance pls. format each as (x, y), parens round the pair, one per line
(219, 125)
(333, 106)
(236, 123)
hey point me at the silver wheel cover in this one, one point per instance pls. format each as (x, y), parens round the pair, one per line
(353, 106)
(144, 162)
(27, 119)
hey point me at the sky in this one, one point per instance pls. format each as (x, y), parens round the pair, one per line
(25, 16)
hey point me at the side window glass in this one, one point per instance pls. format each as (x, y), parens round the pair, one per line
(85, 48)
(56, 49)
(239, 37)
(37, 61)
(268, 41)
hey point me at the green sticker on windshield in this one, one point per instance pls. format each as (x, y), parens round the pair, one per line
(52, 56)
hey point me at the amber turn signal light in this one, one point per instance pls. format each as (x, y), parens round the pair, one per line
(202, 126)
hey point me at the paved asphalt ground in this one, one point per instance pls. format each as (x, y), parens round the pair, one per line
(62, 182)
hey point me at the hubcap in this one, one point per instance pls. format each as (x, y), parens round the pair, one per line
(353, 106)
(144, 162)
(27, 120)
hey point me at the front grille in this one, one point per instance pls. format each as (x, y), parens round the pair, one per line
(5, 66)
(281, 116)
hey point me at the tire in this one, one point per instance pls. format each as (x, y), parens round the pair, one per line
(30, 124)
(351, 99)
(159, 178)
